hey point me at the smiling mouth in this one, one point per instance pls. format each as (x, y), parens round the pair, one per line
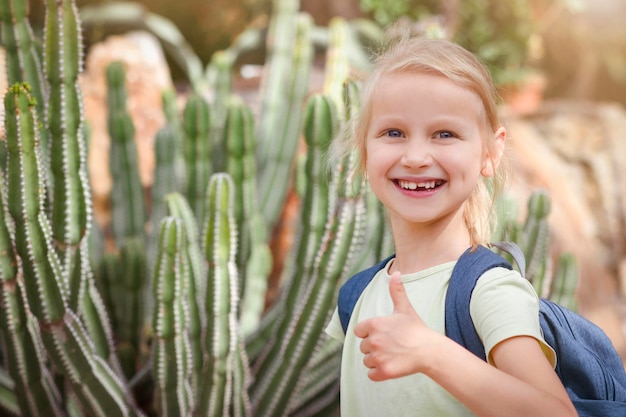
(419, 186)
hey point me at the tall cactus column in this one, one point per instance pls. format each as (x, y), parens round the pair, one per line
(320, 126)
(71, 200)
(197, 145)
(128, 221)
(178, 207)
(171, 358)
(285, 86)
(254, 257)
(68, 344)
(226, 377)
(129, 215)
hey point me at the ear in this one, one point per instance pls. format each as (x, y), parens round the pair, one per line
(494, 154)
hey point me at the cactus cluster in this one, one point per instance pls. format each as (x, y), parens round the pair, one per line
(169, 318)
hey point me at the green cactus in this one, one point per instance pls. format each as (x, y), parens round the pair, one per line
(254, 259)
(533, 240)
(197, 144)
(179, 208)
(32, 383)
(128, 216)
(565, 282)
(67, 343)
(319, 129)
(278, 392)
(23, 63)
(167, 178)
(225, 381)
(286, 84)
(170, 174)
(171, 349)
(220, 76)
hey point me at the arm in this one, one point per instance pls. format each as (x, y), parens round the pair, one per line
(522, 384)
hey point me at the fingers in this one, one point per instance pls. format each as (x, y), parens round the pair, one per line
(401, 303)
(361, 329)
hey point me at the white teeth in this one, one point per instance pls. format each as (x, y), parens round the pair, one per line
(430, 184)
(408, 185)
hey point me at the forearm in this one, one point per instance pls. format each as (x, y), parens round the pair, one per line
(486, 390)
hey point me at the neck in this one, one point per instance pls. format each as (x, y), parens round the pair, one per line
(423, 246)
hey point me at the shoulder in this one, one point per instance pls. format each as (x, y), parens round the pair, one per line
(503, 279)
(505, 305)
(501, 289)
(333, 329)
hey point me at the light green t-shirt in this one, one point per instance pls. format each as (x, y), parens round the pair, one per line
(503, 305)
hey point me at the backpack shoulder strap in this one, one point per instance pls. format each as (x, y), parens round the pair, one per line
(350, 292)
(458, 321)
(515, 252)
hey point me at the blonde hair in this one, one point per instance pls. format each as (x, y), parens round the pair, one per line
(447, 59)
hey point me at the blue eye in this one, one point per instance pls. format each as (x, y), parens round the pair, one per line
(394, 133)
(444, 134)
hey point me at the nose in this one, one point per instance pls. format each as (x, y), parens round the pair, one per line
(417, 153)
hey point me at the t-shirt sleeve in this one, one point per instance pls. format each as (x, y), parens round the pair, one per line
(334, 329)
(505, 305)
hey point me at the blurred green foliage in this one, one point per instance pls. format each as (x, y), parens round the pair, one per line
(208, 25)
(497, 31)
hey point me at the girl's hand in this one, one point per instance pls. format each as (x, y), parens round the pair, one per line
(394, 345)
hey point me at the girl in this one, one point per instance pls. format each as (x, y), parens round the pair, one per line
(428, 133)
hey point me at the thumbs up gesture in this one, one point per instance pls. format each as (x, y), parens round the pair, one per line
(395, 345)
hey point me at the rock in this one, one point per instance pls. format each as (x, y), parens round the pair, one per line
(573, 149)
(147, 76)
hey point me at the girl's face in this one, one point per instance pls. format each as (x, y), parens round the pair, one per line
(425, 147)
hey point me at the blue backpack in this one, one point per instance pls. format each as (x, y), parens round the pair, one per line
(587, 363)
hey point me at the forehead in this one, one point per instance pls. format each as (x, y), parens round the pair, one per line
(401, 91)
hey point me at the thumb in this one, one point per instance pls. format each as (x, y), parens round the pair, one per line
(401, 303)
